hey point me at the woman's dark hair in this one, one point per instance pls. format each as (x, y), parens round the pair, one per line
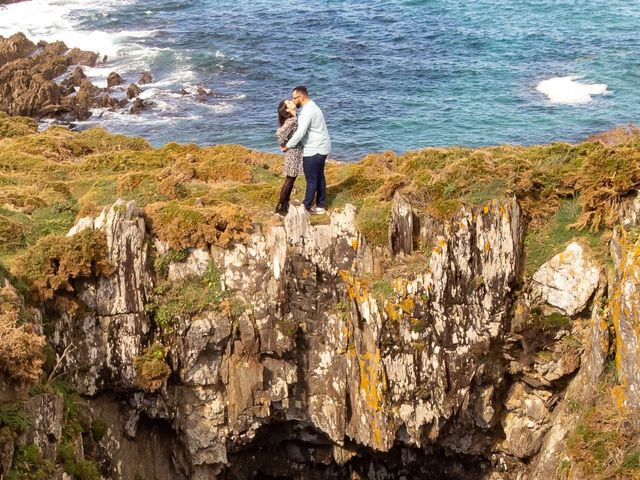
(283, 114)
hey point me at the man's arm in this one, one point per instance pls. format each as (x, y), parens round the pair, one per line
(304, 120)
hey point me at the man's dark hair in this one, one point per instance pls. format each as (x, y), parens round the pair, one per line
(302, 89)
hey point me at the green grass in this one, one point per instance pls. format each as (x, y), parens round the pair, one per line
(13, 416)
(382, 290)
(28, 464)
(185, 298)
(542, 243)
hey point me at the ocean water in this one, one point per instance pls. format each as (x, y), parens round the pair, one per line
(389, 75)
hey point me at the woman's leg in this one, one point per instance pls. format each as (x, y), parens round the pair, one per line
(285, 195)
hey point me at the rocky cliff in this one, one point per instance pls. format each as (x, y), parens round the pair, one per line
(189, 339)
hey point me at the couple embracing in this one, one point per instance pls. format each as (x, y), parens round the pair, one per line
(304, 139)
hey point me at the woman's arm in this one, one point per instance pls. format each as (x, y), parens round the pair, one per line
(284, 132)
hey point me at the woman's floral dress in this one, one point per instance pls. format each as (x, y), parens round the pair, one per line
(293, 156)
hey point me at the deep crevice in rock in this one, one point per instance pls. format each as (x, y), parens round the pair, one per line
(294, 450)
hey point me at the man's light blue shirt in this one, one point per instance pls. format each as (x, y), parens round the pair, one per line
(312, 131)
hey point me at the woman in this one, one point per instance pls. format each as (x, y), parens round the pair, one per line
(288, 122)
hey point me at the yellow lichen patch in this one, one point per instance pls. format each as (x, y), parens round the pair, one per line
(619, 396)
(354, 244)
(485, 209)
(604, 342)
(372, 379)
(390, 310)
(487, 246)
(408, 305)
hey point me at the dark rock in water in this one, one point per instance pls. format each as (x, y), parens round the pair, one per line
(114, 79)
(204, 92)
(81, 57)
(145, 78)
(75, 79)
(138, 106)
(183, 92)
(106, 101)
(133, 91)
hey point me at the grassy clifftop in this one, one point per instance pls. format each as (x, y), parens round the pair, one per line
(197, 195)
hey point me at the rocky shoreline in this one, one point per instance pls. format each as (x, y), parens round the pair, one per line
(47, 81)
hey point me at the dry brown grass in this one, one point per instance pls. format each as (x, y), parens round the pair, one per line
(92, 169)
(51, 265)
(21, 346)
(606, 441)
(182, 226)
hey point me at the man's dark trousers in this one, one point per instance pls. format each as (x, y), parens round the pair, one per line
(313, 167)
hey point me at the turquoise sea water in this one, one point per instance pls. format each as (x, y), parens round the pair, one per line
(392, 75)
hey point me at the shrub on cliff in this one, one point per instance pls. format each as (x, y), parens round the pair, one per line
(21, 346)
(185, 298)
(151, 368)
(182, 226)
(50, 266)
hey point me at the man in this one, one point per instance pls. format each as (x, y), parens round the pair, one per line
(312, 132)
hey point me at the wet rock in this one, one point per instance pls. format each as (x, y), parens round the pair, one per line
(75, 79)
(145, 78)
(138, 106)
(203, 92)
(114, 79)
(82, 57)
(29, 77)
(567, 281)
(133, 91)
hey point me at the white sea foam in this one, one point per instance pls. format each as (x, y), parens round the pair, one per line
(568, 90)
(53, 20)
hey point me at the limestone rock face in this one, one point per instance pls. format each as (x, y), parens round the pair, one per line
(567, 281)
(581, 390)
(401, 229)
(625, 311)
(113, 329)
(526, 421)
(313, 343)
(46, 427)
(311, 350)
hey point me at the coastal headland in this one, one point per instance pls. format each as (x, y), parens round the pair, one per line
(460, 313)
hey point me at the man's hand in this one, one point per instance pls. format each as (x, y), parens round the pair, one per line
(284, 148)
